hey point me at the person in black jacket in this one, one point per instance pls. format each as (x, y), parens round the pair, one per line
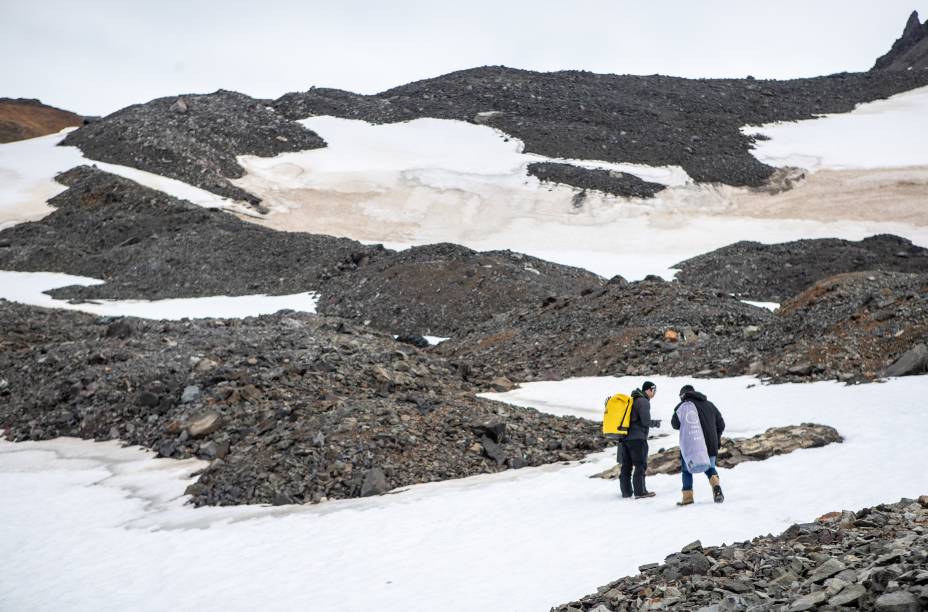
(633, 450)
(712, 424)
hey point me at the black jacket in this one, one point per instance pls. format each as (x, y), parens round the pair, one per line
(709, 418)
(641, 417)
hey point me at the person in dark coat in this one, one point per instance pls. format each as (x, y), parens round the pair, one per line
(712, 425)
(633, 450)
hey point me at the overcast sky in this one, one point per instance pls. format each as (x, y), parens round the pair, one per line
(96, 56)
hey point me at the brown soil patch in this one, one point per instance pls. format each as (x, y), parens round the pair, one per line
(22, 119)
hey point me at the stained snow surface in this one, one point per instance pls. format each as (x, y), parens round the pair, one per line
(92, 526)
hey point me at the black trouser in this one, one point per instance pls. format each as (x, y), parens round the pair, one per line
(633, 453)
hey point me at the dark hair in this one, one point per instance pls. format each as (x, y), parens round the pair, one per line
(648, 385)
(686, 389)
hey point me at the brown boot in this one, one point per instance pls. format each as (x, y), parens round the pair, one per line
(716, 489)
(687, 499)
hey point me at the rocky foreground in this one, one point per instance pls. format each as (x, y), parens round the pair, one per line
(872, 559)
(289, 408)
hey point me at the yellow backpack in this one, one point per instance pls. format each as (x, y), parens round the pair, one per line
(617, 415)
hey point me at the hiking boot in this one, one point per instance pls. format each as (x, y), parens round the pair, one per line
(646, 494)
(626, 496)
(716, 490)
(687, 499)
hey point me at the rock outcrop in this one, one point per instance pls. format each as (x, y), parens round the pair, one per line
(607, 181)
(733, 451)
(910, 51)
(872, 559)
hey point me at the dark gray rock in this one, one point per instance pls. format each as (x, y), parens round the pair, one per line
(375, 483)
(913, 361)
(191, 393)
(897, 601)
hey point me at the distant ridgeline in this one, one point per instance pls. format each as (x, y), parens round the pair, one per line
(651, 120)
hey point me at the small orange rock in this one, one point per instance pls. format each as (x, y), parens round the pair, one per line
(671, 335)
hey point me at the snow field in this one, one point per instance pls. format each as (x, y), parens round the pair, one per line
(103, 519)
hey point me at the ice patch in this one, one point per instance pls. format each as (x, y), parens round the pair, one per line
(28, 288)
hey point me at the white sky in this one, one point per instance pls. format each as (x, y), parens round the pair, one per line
(97, 56)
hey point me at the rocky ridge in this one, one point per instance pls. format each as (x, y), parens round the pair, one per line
(288, 408)
(872, 559)
(194, 138)
(22, 118)
(444, 288)
(776, 272)
(653, 120)
(909, 51)
(606, 181)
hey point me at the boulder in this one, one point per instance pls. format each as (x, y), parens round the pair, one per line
(913, 361)
(375, 483)
(204, 425)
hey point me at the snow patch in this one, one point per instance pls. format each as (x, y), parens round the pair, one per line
(29, 288)
(880, 134)
(771, 306)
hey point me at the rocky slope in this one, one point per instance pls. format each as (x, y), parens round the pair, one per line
(872, 559)
(22, 118)
(652, 120)
(851, 327)
(775, 272)
(637, 329)
(442, 289)
(194, 138)
(146, 244)
(287, 408)
(910, 51)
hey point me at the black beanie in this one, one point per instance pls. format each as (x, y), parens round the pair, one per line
(686, 389)
(648, 385)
